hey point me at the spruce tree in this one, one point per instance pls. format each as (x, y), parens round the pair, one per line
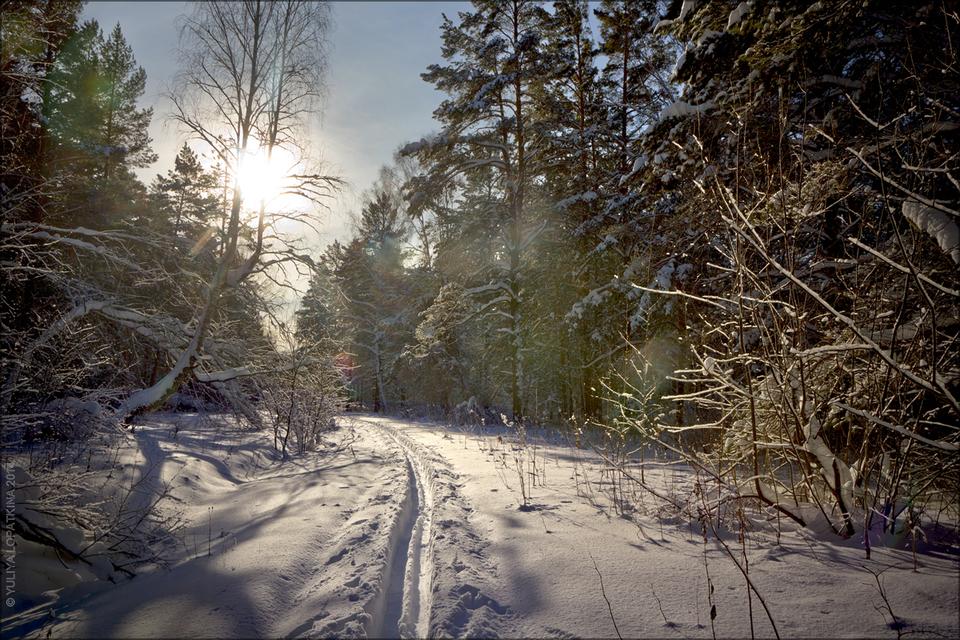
(316, 314)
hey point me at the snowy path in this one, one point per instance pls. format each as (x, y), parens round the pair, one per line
(416, 530)
(406, 609)
(270, 549)
(445, 567)
(499, 570)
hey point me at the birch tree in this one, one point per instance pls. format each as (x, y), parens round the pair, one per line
(251, 73)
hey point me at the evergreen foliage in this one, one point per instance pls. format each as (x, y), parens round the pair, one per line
(728, 228)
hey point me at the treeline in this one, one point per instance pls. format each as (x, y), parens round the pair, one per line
(121, 297)
(730, 227)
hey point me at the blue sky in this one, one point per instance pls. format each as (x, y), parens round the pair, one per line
(375, 101)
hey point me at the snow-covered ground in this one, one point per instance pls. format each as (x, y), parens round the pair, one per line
(419, 529)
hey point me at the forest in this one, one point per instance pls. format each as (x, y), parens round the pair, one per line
(710, 247)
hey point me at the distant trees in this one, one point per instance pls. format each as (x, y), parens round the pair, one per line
(535, 141)
(316, 321)
(441, 363)
(494, 60)
(186, 198)
(376, 294)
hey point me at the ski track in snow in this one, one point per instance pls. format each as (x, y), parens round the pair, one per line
(395, 611)
(398, 559)
(431, 572)
(382, 538)
(359, 564)
(437, 569)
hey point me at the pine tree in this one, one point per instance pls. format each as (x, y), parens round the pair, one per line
(99, 133)
(70, 106)
(493, 61)
(375, 301)
(124, 136)
(634, 76)
(33, 34)
(187, 198)
(570, 118)
(592, 123)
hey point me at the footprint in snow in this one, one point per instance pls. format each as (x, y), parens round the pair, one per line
(337, 556)
(472, 598)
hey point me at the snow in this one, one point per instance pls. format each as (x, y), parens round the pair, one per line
(74, 406)
(706, 37)
(681, 109)
(662, 25)
(499, 285)
(681, 60)
(224, 375)
(414, 529)
(607, 242)
(31, 97)
(480, 100)
(87, 246)
(738, 13)
(939, 225)
(639, 163)
(587, 196)
(270, 549)
(661, 281)
(424, 143)
(686, 8)
(592, 299)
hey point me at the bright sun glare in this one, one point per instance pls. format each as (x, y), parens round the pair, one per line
(263, 178)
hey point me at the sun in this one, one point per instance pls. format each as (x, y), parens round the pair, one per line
(263, 177)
